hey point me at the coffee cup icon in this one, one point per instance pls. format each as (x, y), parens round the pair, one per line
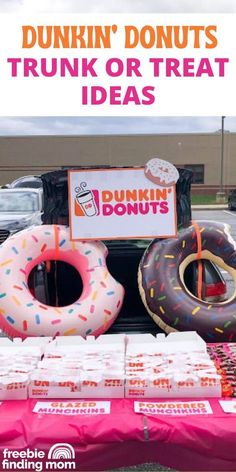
(87, 203)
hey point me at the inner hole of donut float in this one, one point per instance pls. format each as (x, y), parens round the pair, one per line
(55, 283)
(217, 284)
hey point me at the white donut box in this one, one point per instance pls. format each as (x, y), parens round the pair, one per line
(108, 367)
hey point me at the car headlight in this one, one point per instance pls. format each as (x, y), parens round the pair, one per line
(16, 226)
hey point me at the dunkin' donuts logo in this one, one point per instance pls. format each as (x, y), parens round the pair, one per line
(124, 202)
(86, 201)
(136, 201)
(121, 202)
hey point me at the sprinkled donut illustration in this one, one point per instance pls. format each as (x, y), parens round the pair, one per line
(161, 172)
(22, 315)
(164, 293)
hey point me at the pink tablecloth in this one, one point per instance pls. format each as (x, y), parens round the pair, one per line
(102, 442)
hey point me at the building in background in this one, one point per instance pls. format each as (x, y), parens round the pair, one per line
(22, 155)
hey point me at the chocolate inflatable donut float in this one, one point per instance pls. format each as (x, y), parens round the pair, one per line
(161, 282)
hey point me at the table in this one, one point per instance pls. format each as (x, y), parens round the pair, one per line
(103, 442)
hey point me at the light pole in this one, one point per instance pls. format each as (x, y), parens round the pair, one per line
(220, 195)
(222, 156)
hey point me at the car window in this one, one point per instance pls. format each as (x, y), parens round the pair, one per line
(30, 184)
(27, 182)
(19, 202)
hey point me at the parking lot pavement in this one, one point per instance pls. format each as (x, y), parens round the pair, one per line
(144, 467)
(223, 216)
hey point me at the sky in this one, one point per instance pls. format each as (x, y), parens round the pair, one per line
(14, 126)
(114, 125)
(121, 6)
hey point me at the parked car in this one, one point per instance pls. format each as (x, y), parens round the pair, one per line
(232, 200)
(213, 283)
(19, 208)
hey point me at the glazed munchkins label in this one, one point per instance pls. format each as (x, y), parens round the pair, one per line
(117, 64)
(123, 203)
(73, 408)
(177, 408)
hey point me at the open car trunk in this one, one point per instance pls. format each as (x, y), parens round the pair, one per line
(58, 283)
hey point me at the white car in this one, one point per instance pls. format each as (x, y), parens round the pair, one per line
(19, 208)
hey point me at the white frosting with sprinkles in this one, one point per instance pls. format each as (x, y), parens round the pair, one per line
(165, 171)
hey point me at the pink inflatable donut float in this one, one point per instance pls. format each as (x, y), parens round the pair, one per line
(22, 315)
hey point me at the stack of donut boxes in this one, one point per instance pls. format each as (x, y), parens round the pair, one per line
(111, 366)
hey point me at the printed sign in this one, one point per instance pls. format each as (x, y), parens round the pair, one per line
(174, 408)
(73, 408)
(228, 406)
(123, 203)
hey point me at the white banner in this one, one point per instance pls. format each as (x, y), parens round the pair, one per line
(176, 408)
(73, 408)
(117, 64)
